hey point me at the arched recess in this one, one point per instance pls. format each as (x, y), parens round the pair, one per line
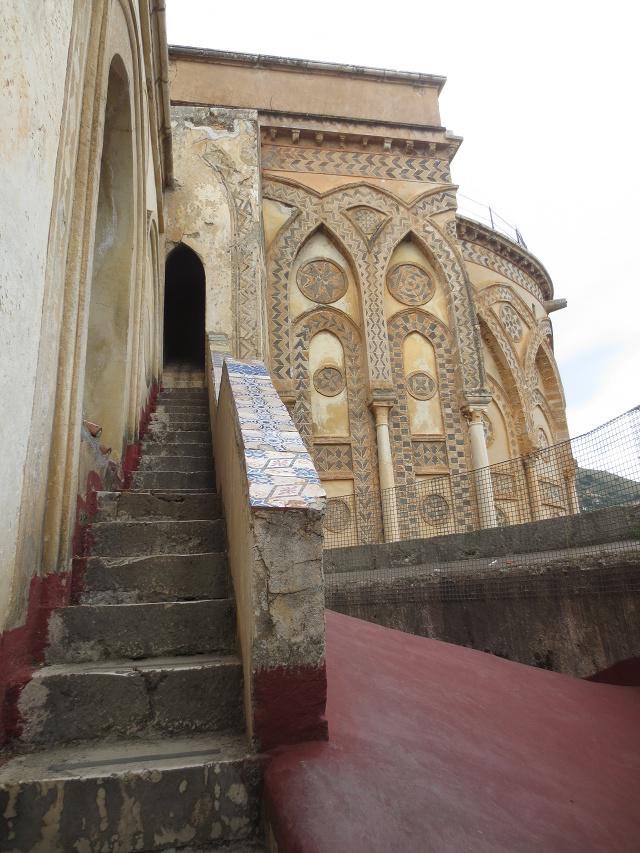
(322, 273)
(413, 279)
(106, 379)
(352, 455)
(184, 308)
(408, 451)
(113, 33)
(551, 389)
(511, 377)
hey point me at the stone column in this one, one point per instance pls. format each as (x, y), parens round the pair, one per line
(570, 471)
(480, 466)
(533, 486)
(380, 408)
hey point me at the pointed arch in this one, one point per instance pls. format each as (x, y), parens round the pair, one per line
(511, 376)
(553, 392)
(362, 437)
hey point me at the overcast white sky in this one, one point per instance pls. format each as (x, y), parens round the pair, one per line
(545, 95)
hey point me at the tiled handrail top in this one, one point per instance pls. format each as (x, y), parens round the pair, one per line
(280, 471)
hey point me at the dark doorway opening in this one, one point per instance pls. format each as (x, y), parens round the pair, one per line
(184, 301)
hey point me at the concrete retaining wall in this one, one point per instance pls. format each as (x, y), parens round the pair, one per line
(274, 507)
(574, 610)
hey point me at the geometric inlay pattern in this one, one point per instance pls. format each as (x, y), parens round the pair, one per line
(363, 164)
(337, 516)
(322, 281)
(511, 321)
(368, 220)
(410, 284)
(502, 485)
(427, 454)
(551, 492)
(332, 458)
(328, 381)
(421, 386)
(434, 509)
(489, 435)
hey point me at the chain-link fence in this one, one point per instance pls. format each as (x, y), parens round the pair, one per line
(498, 522)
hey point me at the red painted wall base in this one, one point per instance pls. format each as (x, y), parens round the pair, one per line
(289, 705)
(22, 648)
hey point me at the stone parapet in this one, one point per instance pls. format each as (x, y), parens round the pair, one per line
(274, 508)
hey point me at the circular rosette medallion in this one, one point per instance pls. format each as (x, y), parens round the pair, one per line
(420, 385)
(328, 381)
(337, 516)
(322, 281)
(434, 509)
(410, 284)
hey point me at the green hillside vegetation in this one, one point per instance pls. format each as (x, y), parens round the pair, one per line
(598, 489)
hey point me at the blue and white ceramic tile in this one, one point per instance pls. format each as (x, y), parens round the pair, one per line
(279, 468)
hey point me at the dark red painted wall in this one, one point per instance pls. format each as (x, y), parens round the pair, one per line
(289, 705)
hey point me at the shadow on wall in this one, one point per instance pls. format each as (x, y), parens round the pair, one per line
(184, 303)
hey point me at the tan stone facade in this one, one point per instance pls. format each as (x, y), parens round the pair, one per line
(410, 343)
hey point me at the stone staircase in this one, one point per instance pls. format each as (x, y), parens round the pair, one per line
(133, 731)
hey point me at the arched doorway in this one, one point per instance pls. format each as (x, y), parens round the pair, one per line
(184, 305)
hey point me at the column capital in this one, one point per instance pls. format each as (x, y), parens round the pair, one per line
(382, 398)
(474, 412)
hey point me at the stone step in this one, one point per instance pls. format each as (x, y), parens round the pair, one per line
(190, 407)
(172, 448)
(92, 632)
(166, 577)
(132, 795)
(191, 436)
(188, 394)
(71, 702)
(167, 419)
(174, 480)
(142, 538)
(157, 462)
(127, 506)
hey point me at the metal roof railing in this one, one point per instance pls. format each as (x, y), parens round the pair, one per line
(486, 215)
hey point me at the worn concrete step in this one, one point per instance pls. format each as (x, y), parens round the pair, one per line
(157, 430)
(160, 431)
(132, 795)
(174, 480)
(169, 418)
(165, 577)
(189, 407)
(71, 702)
(92, 632)
(196, 395)
(172, 448)
(179, 505)
(157, 462)
(190, 436)
(142, 538)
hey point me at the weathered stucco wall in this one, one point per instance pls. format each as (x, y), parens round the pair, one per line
(214, 207)
(298, 86)
(34, 68)
(59, 58)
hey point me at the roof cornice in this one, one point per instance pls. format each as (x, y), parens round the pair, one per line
(305, 66)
